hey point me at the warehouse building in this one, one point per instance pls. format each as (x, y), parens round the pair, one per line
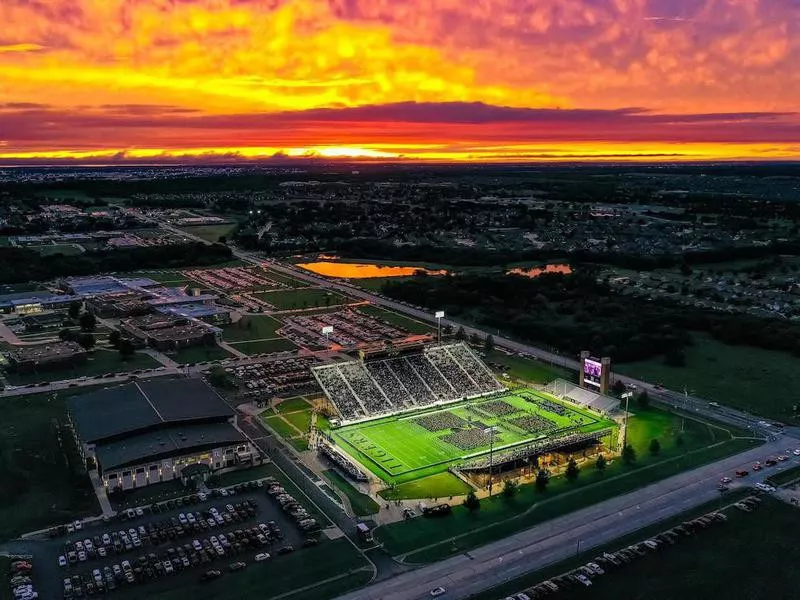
(146, 432)
(42, 357)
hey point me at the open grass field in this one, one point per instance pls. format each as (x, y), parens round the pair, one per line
(528, 369)
(277, 344)
(293, 404)
(211, 233)
(441, 485)
(300, 419)
(251, 327)
(65, 249)
(44, 482)
(100, 362)
(685, 444)
(169, 278)
(361, 504)
(745, 558)
(759, 381)
(409, 446)
(302, 298)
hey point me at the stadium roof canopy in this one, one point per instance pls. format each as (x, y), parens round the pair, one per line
(163, 443)
(142, 406)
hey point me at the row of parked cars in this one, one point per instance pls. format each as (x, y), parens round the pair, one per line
(184, 524)
(601, 564)
(291, 506)
(175, 559)
(19, 579)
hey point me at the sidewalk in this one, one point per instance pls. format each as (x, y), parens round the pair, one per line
(100, 492)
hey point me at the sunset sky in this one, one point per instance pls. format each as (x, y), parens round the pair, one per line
(143, 80)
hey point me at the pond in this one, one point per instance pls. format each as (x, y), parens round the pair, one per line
(536, 271)
(363, 271)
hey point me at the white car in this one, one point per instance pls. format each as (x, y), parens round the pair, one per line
(438, 591)
(101, 552)
(796, 452)
(62, 561)
(139, 512)
(197, 545)
(583, 579)
(202, 496)
(182, 518)
(78, 525)
(223, 492)
(261, 557)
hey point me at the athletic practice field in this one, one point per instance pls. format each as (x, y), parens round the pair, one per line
(405, 447)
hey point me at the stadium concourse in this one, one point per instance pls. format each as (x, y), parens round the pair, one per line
(422, 413)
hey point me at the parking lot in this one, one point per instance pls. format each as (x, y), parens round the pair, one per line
(180, 543)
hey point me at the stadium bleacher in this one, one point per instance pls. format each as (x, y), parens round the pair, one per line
(584, 397)
(440, 374)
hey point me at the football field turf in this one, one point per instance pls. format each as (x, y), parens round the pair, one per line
(405, 447)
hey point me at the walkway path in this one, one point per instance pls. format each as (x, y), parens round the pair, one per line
(100, 492)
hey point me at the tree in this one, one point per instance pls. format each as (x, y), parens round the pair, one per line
(686, 270)
(628, 455)
(618, 388)
(474, 339)
(223, 239)
(542, 479)
(74, 309)
(679, 441)
(219, 377)
(126, 349)
(86, 341)
(65, 335)
(461, 334)
(509, 489)
(488, 344)
(88, 321)
(643, 400)
(573, 470)
(601, 463)
(114, 338)
(471, 502)
(655, 447)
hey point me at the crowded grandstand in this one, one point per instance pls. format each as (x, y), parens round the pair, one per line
(437, 375)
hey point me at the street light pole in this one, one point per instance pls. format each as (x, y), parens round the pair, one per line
(627, 395)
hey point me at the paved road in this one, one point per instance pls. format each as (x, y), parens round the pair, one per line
(558, 539)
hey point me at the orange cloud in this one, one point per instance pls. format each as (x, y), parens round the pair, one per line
(262, 57)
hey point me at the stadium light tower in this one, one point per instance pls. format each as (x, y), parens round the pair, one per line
(439, 316)
(627, 395)
(490, 431)
(327, 331)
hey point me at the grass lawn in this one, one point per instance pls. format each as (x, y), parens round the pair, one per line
(285, 279)
(411, 325)
(759, 381)
(168, 278)
(196, 354)
(744, 559)
(784, 477)
(699, 444)
(251, 327)
(527, 369)
(44, 481)
(300, 419)
(361, 504)
(277, 344)
(441, 485)
(99, 362)
(404, 448)
(293, 404)
(302, 298)
(281, 427)
(275, 577)
(211, 233)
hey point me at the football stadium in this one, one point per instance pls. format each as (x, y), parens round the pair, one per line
(411, 416)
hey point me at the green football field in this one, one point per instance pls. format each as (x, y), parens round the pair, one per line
(406, 447)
